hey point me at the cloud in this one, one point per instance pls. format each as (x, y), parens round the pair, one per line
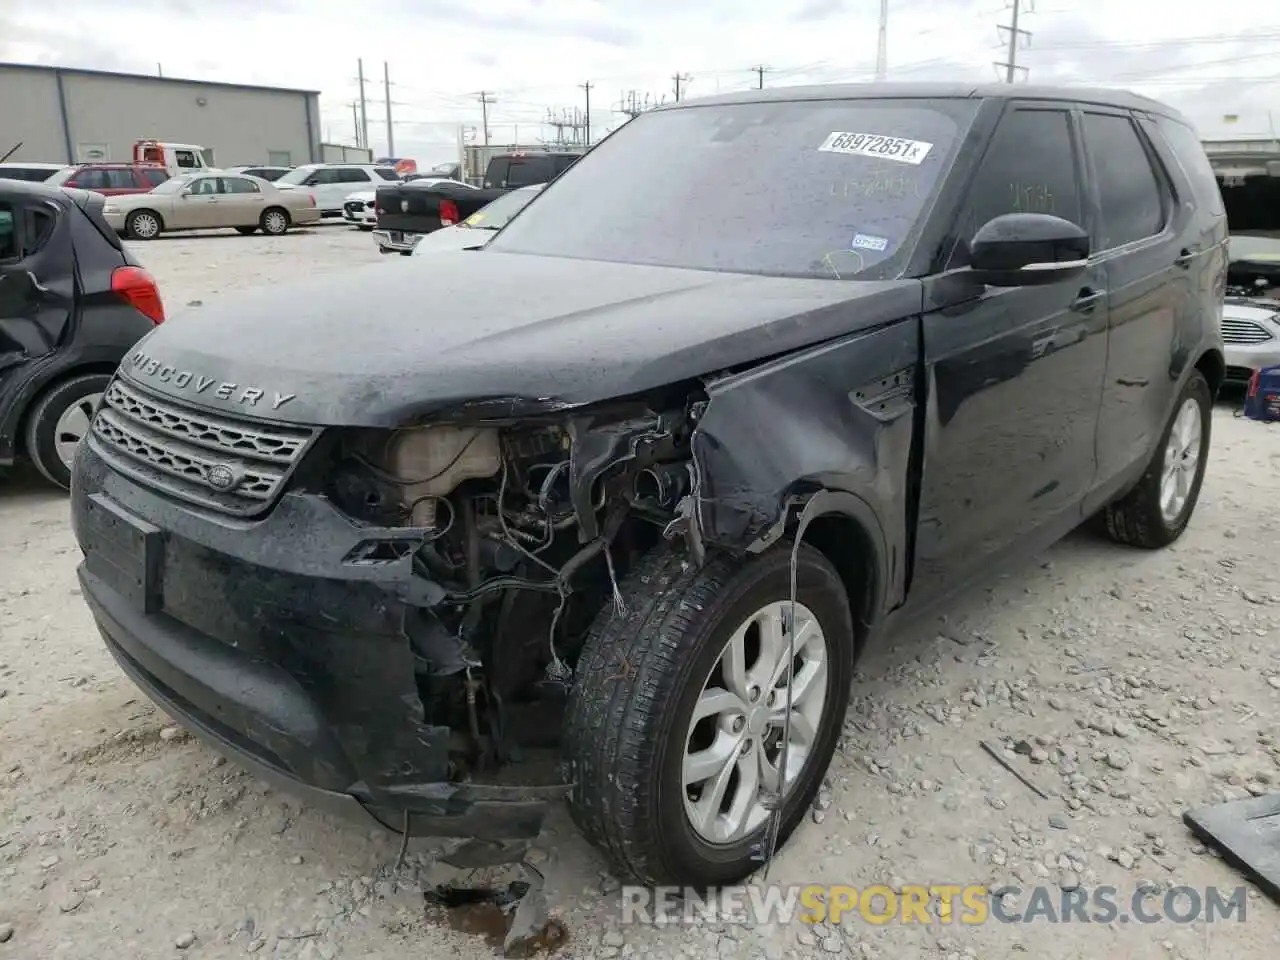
(533, 55)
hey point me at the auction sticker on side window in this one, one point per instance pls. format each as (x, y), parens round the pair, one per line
(874, 145)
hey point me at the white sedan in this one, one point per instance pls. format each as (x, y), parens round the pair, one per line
(358, 209)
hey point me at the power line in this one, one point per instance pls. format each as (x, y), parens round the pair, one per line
(1014, 33)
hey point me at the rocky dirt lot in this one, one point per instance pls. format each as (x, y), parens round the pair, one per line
(1135, 685)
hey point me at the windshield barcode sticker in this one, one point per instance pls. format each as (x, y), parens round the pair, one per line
(874, 145)
(866, 241)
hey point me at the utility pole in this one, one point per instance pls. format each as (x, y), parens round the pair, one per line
(681, 80)
(159, 70)
(882, 47)
(1014, 33)
(386, 86)
(364, 110)
(485, 98)
(355, 120)
(586, 123)
(759, 70)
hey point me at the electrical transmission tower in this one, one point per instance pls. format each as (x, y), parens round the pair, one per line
(633, 105)
(1013, 35)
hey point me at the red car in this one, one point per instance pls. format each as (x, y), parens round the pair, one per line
(111, 179)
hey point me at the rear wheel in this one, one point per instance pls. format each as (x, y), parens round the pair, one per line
(674, 727)
(58, 423)
(274, 221)
(143, 225)
(1158, 509)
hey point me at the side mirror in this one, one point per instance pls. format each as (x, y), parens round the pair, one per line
(188, 191)
(1028, 250)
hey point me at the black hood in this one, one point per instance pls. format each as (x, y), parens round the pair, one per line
(384, 344)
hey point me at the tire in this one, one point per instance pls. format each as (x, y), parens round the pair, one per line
(405, 253)
(274, 221)
(246, 231)
(365, 227)
(53, 420)
(143, 225)
(627, 723)
(1139, 519)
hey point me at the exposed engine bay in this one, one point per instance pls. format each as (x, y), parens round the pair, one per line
(528, 528)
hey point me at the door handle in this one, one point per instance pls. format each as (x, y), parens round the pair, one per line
(1186, 257)
(1086, 300)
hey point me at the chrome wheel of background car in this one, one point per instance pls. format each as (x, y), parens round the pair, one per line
(73, 426)
(734, 743)
(1181, 460)
(275, 222)
(144, 225)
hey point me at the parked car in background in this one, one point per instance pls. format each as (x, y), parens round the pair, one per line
(208, 201)
(1251, 314)
(111, 179)
(270, 174)
(358, 209)
(332, 183)
(648, 483)
(475, 231)
(31, 172)
(73, 301)
(411, 209)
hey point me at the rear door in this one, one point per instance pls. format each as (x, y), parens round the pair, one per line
(1148, 277)
(37, 278)
(1014, 375)
(241, 202)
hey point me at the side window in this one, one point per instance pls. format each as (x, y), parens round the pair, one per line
(325, 176)
(8, 234)
(525, 173)
(496, 175)
(1128, 191)
(39, 227)
(153, 176)
(353, 175)
(388, 175)
(185, 158)
(120, 178)
(1186, 148)
(239, 185)
(564, 163)
(90, 179)
(205, 187)
(1030, 167)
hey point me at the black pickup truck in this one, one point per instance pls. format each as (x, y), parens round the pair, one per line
(646, 480)
(409, 209)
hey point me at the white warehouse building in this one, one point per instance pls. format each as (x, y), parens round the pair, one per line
(65, 115)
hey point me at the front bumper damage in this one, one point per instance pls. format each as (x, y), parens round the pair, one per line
(295, 663)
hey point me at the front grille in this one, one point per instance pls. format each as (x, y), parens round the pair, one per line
(235, 466)
(1244, 331)
(354, 206)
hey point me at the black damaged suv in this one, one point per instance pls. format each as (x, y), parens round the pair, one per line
(639, 486)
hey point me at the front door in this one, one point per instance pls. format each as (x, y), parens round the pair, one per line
(1014, 375)
(198, 206)
(1149, 282)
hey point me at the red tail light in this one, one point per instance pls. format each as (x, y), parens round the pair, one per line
(448, 213)
(138, 288)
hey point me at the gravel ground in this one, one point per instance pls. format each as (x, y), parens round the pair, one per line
(1139, 683)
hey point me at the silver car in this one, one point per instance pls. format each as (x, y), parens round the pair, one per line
(207, 201)
(1251, 317)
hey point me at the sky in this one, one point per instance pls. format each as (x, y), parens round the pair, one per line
(533, 57)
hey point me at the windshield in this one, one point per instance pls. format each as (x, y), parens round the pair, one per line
(497, 214)
(815, 188)
(176, 185)
(1256, 247)
(297, 176)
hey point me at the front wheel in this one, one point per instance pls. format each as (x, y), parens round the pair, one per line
(274, 222)
(675, 726)
(59, 422)
(1158, 509)
(143, 225)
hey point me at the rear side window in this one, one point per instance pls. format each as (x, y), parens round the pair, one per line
(153, 178)
(1030, 167)
(39, 227)
(1132, 206)
(497, 172)
(1188, 151)
(239, 185)
(8, 234)
(352, 175)
(388, 175)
